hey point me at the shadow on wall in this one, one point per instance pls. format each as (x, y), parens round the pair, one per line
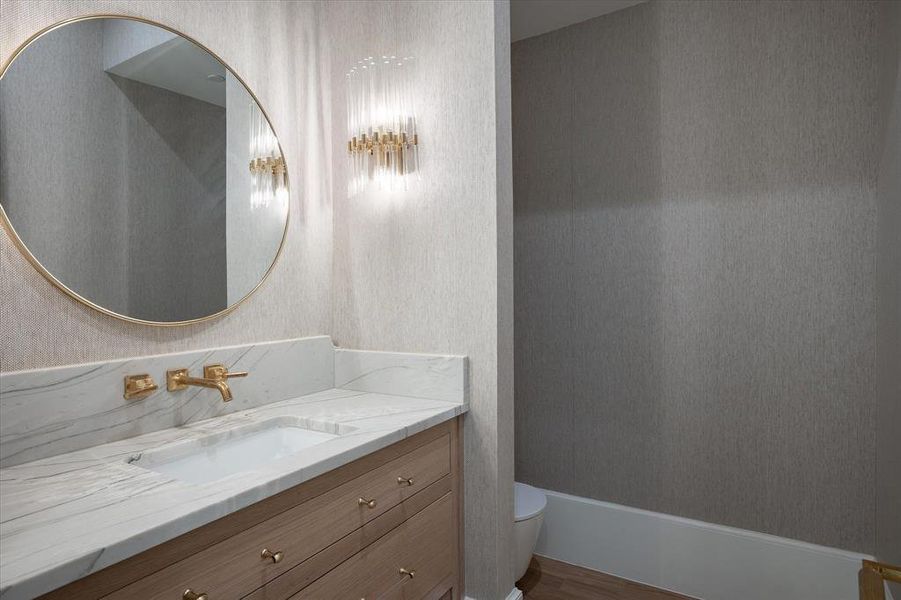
(192, 149)
(198, 141)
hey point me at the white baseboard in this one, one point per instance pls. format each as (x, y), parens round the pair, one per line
(698, 559)
(515, 594)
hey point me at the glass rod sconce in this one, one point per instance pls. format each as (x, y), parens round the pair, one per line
(381, 123)
(267, 165)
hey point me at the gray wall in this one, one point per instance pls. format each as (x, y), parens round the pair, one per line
(176, 224)
(81, 155)
(888, 311)
(695, 235)
(124, 39)
(53, 200)
(42, 327)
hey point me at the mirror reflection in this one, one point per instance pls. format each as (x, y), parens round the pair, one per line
(138, 171)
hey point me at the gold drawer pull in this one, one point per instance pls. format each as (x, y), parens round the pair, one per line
(276, 557)
(404, 480)
(406, 572)
(365, 502)
(192, 595)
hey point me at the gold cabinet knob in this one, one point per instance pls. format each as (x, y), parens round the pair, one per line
(410, 574)
(276, 557)
(192, 595)
(404, 481)
(365, 502)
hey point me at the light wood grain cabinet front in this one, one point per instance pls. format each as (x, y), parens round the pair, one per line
(408, 562)
(401, 508)
(237, 566)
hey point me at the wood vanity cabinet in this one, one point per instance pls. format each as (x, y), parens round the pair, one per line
(385, 526)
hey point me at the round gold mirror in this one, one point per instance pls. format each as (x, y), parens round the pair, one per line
(138, 173)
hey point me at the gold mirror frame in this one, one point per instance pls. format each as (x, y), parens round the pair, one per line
(20, 244)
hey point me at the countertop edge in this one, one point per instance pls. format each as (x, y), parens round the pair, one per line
(37, 583)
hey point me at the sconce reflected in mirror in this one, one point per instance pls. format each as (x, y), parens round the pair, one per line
(268, 179)
(151, 214)
(382, 141)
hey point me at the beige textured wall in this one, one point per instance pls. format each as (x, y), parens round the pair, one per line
(428, 270)
(695, 213)
(273, 47)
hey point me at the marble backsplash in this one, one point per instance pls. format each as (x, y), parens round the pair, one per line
(46, 412)
(432, 376)
(51, 411)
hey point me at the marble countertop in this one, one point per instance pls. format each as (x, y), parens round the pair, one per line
(64, 517)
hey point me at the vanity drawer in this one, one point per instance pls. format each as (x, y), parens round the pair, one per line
(423, 545)
(234, 567)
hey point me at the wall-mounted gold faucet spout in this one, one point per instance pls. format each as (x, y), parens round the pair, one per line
(215, 377)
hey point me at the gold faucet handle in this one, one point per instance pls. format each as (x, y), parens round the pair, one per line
(175, 379)
(138, 386)
(220, 372)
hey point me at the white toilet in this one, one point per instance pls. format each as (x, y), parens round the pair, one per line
(528, 514)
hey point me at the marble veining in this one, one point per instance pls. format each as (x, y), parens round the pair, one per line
(437, 377)
(72, 488)
(84, 510)
(52, 411)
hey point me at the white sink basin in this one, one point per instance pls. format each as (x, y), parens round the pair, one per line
(234, 451)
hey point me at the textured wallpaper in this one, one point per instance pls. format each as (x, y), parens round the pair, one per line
(190, 148)
(100, 217)
(695, 262)
(275, 51)
(428, 269)
(888, 311)
(56, 213)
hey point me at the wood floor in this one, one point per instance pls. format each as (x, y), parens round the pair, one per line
(549, 579)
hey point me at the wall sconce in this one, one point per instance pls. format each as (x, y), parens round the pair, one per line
(382, 142)
(268, 180)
